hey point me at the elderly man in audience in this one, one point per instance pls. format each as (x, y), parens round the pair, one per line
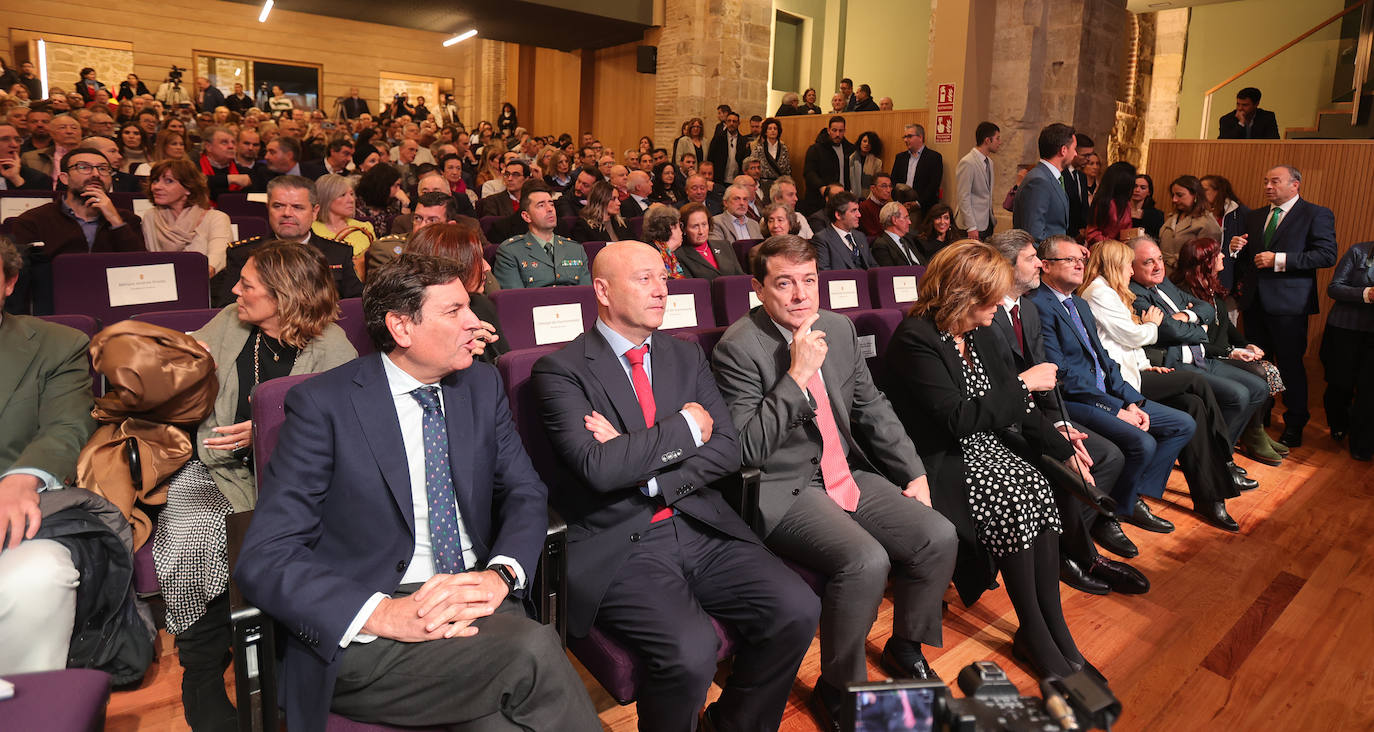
(699, 191)
(638, 185)
(539, 257)
(843, 491)
(217, 163)
(735, 223)
(750, 184)
(14, 174)
(120, 181)
(438, 637)
(656, 552)
(784, 191)
(83, 220)
(65, 134)
(841, 245)
(894, 246)
(292, 207)
(44, 365)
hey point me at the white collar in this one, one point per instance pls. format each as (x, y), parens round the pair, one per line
(1286, 206)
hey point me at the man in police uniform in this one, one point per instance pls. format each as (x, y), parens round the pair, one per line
(291, 207)
(539, 257)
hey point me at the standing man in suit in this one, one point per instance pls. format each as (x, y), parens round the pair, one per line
(207, 95)
(728, 150)
(654, 552)
(973, 184)
(844, 492)
(841, 245)
(1042, 205)
(734, 223)
(403, 590)
(1248, 121)
(894, 247)
(1278, 257)
(827, 163)
(41, 365)
(1076, 184)
(1149, 434)
(919, 167)
(354, 106)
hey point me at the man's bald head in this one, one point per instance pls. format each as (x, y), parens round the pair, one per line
(618, 256)
(631, 286)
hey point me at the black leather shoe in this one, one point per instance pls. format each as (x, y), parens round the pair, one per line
(1073, 575)
(1106, 531)
(708, 719)
(1241, 482)
(1236, 469)
(1087, 666)
(1119, 576)
(903, 659)
(1215, 514)
(1363, 456)
(827, 705)
(1292, 436)
(1143, 518)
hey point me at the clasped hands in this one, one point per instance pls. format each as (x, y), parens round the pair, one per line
(444, 607)
(1263, 260)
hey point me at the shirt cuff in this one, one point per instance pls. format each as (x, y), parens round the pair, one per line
(354, 632)
(1280, 261)
(50, 483)
(514, 565)
(692, 425)
(1192, 316)
(650, 488)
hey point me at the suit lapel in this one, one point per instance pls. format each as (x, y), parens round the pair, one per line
(1003, 323)
(607, 370)
(381, 429)
(1283, 228)
(666, 379)
(19, 347)
(458, 421)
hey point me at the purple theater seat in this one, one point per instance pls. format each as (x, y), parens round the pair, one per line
(875, 327)
(636, 225)
(70, 700)
(619, 670)
(592, 248)
(354, 326)
(831, 284)
(693, 296)
(487, 222)
(185, 321)
(882, 281)
(84, 323)
(237, 204)
(742, 247)
(519, 310)
(250, 226)
(489, 251)
(80, 283)
(706, 338)
(732, 297)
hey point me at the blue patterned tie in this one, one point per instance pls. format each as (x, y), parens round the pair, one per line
(1101, 377)
(444, 539)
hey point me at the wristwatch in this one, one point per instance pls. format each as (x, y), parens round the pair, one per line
(506, 575)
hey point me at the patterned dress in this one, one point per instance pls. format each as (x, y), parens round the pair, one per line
(1009, 500)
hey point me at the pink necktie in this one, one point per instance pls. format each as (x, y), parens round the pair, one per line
(839, 482)
(644, 392)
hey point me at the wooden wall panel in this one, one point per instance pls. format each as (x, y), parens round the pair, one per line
(1335, 173)
(799, 133)
(557, 89)
(623, 101)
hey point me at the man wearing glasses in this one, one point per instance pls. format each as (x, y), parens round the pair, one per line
(83, 220)
(506, 202)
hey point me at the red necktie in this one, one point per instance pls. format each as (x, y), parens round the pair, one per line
(839, 482)
(1016, 325)
(644, 393)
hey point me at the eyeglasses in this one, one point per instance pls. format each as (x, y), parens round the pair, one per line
(512, 174)
(84, 168)
(1070, 260)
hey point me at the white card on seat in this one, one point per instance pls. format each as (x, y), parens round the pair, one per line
(12, 206)
(142, 206)
(844, 294)
(904, 288)
(258, 197)
(140, 285)
(754, 300)
(680, 312)
(868, 345)
(557, 323)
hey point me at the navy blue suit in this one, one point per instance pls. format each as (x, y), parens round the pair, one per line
(1149, 455)
(1041, 206)
(335, 522)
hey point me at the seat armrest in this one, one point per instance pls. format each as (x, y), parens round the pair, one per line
(741, 491)
(255, 645)
(549, 587)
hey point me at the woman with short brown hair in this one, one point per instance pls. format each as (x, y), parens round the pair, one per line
(181, 219)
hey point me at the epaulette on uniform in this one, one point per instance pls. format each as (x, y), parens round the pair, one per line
(249, 240)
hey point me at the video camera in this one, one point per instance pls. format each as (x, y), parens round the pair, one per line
(991, 703)
(174, 76)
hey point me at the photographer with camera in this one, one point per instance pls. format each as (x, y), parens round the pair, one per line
(170, 92)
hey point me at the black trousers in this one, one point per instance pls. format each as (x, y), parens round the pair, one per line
(1076, 516)
(1284, 339)
(1348, 360)
(1204, 458)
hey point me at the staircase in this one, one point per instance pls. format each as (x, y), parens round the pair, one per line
(1335, 123)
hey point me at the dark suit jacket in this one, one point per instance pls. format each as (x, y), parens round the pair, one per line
(1065, 347)
(497, 204)
(313, 169)
(1265, 127)
(832, 252)
(1075, 187)
(867, 105)
(355, 108)
(33, 180)
(1174, 335)
(823, 168)
(213, 98)
(59, 234)
(568, 205)
(930, 169)
(696, 265)
(887, 254)
(630, 208)
(1307, 235)
(719, 150)
(1353, 273)
(600, 497)
(335, 522)
(1041, 206)
(1034, 350)
(339, 256)
(583, 232)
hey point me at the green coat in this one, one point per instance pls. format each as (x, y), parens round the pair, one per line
(226, 336)
(45, 396)
(521, 261)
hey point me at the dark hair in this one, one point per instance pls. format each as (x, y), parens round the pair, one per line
(837, 203)
(792, 248)
(927, 230)
(437, 198)
(763, 129)
(984, 132)
(1250, 93)
(1083, 140)
(338, 143)
(1113, 195)
(1150, 183)
(866, 89)
(677, 186)
(1194, 186)
(374, 187)
(11, 261)
(296, 182)
(877, 175)
(524, 166)
(755, 117)
(686, 212)
(1224, 193)
(722, 108)
(875, 145)
(728, 115)
(658, 223)
(451, 156)
(1052, 138)
(833, 120)
(531, 187)
(1194, 269)
(289, 144)
(847, 80)
(399, 287)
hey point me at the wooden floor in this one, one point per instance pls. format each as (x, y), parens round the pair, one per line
(1269, 629)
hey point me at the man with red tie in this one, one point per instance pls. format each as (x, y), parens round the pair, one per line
(844, 492)
(654, 552)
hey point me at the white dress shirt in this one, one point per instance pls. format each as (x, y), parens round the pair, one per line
(1280, 258)
(910, 177)
(1123, 338)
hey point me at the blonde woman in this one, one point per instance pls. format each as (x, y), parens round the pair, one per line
(181, 219)
(1106, 287)
(336, 222)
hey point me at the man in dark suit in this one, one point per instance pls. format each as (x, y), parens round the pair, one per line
(699, 191)
(919, 167)
(14, 175)
(1081, 566)
(354, 106)
(507, 202)
(827, 162)
(728, 149)
(863, 100)
(403, 591)
(894, 246)
(291, 208)
(840, 244)
(1149, 434)
(83, 220)
(1042, 206)
(654, 552)
(1277, 260)
(571, 201)
(338, 157)
(207, 95)
(844, 492)
(1248, 121)
(1076, 184)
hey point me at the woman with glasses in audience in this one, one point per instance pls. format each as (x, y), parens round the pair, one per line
(1347, 351)
(663, 230)
(1190, 219)
(130, 141)
(667, 184)
(462, 242)
(600, 219)
(980, 435)
(1144, 214)
(772, 152)
(336, 222)
(379, 198)
(936, 230)
(1109, 215)
(702, 257)
(182, 219)
(864, 163)
(808, 102)
(282, 323)
(691, 142)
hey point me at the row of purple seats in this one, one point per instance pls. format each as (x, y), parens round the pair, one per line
(350, 320)
(82, 285)
(237, 204)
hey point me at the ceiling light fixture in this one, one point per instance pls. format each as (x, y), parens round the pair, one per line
(266, 9)
(454, 40)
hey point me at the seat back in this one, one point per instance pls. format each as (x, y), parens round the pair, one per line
(592, 248)
(844, 289)
(544, 315)
(894, 287)
(875, 329)
(84, 323)
(269, 413)
(238, 204)
(112, 286)
(179, 320)
(742, 249)
(689, 305)
(706, 338)
(636, 225)
(246, 227)
(487, 222)
(354, 326)
(13, 203)
(733, 297)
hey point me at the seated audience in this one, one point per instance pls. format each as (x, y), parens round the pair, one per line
(64, 134)
(217, 163)
(641, 461)
(776, 220)
(840, 244)
(667, 186)
(539, 257)
(169, 144)
(571, 201)
(703, 257)
(281, 156)
(1347, 351)
(1190, 219)
(506, 201)
(894, 246)
(663, 231)
(14, 174)
(639, 186)
(734, 223)
(338, 160)
(444, 639)
(181, 219)
(379, 198)
(430, 209)
(879, 195)
(131, 146)
(338, 205)
(784, 191)
(849, 500)
(461, 241)
(599, 219)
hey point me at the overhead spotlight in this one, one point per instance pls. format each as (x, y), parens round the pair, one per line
(266, 9)
(456, 39)
(43, 66)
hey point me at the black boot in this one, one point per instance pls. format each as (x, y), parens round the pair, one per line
(203, 650)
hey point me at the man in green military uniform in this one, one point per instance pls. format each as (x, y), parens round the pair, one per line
(539, 257)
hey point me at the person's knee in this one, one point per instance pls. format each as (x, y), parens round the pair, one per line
(867, 561)
(41, 572)
(689, 658)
